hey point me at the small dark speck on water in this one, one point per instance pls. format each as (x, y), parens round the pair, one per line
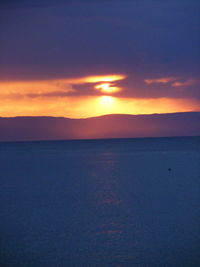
(169, 169)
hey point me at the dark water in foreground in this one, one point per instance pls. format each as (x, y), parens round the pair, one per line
(133, 202)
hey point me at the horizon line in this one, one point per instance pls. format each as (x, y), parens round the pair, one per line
(110, 114)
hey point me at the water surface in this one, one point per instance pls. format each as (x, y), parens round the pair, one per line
(96, 203)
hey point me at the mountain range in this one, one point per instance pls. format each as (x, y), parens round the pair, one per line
(107, 126)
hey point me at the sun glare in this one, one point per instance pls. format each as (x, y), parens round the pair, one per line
(107, 88)
(106, 101)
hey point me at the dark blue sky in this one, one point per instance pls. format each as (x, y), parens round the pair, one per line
(141, 39)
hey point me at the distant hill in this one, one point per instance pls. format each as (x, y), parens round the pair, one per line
(108, 126)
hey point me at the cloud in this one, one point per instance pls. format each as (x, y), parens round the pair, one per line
(96, 79)
(172, 81)
(69, 40)
(108, 88)
(23, 88)
(163, 80)
(120, 85)
(59, 87)
(188, 82)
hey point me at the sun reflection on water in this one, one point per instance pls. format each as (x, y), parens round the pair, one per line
(107, 199)
(114, 234)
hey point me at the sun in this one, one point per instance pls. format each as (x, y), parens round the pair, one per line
(107, 101)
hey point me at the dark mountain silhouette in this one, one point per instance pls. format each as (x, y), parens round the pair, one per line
(108, 126)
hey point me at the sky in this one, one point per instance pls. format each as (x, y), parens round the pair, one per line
(82, 59)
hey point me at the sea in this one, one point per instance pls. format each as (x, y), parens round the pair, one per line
(100, 203)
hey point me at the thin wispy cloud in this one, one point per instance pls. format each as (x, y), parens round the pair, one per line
(172, 81)
(163, 80)
(188, 82)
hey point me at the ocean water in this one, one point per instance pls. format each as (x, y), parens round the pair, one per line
(100, 203)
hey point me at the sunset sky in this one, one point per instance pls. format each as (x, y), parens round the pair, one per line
(81, 59)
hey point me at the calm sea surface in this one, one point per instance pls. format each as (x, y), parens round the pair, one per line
(100, 203)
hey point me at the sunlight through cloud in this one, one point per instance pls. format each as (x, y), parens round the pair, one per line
(107, 88)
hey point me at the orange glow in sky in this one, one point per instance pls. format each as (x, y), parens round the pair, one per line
(55, 98)
(107, 101)
(58, 85)
(91, 106)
